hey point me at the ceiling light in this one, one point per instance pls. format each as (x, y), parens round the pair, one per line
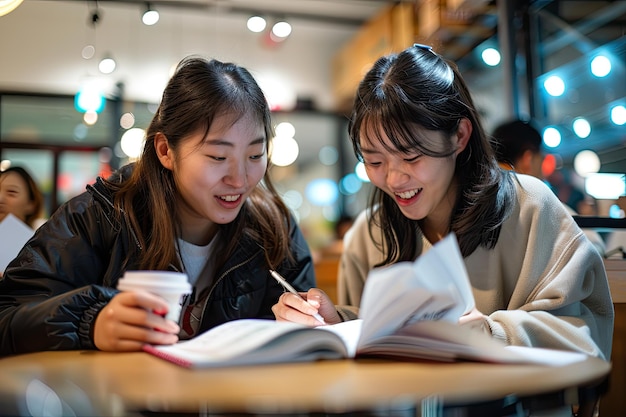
(90, 97)
(256, 24)
(150, 16)
(491, 57)
(581, 127)
(618, 115)
(551, 137)
(554, 85)
(281, 29)
(600, 66)
(7, 6)
(107, 65)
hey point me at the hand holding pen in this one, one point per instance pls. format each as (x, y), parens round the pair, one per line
(292, 290)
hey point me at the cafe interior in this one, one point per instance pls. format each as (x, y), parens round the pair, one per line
(80, 80)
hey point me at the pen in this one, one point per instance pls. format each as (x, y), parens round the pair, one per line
(282, 281)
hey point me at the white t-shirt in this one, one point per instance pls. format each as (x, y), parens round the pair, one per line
(198, 265)
(195, 258)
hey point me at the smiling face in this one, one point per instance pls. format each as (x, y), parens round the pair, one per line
(422, 186)
(215, 173)
(14, 196)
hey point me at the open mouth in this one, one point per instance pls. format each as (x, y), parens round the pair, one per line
(230, 198)
(407, 195)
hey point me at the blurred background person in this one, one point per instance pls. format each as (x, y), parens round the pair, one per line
(518, 147)
(20, 196)
(517, 144)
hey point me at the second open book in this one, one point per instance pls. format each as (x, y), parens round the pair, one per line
(409, 310)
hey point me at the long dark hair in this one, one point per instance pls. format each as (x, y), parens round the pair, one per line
(34, 194)
(199, 91)
(419, 87)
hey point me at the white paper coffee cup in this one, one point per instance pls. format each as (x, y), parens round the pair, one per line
(169, 285)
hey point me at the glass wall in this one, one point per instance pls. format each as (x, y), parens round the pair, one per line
(50, 120)
(566, 71)
(49, 138)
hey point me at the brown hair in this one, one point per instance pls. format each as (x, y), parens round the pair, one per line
(417, 87)
(198, 92)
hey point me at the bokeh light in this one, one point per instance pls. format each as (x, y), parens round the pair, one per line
(600, 66)
(554, 85)
(132, 142)
(551, 137)
(322, 192)
(491, 57)
(586, 162)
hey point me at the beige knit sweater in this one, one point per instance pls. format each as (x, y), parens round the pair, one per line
(544, 284)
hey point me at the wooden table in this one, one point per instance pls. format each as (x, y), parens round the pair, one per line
(116, 384)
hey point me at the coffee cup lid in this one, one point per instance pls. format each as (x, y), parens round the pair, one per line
(163, 281)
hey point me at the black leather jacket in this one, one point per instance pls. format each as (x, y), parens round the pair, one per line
(52, 292)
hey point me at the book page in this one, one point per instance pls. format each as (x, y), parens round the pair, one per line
(252, 342)
(445, 341)
(349, 332)
(433, 287)
(444, 270)
(15, 233)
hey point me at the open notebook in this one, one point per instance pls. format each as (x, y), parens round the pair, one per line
(409, 310)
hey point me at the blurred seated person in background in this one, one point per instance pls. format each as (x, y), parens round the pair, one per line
(537, 280)
(517, 144)
(199, 200)
(20, 196)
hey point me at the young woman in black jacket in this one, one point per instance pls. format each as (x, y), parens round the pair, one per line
(199, 200)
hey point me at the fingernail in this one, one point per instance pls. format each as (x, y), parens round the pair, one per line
(160, 312)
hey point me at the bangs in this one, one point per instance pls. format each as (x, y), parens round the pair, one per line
(228, 113)
(234, 107)
(400, 135)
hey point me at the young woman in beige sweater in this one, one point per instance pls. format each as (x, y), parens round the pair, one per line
(537, 280)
